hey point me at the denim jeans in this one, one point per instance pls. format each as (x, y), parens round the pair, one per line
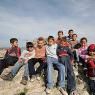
(17, 66)
(50, 62)
(71, 83)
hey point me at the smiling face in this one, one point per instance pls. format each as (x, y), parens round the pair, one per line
(14, 44)
(40, 44)
(83, 42)
(60, 34)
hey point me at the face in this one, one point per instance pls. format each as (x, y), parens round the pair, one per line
(50, 42)
(15, 44)
(74, 37)
(60, 35)
(30, 49)
(83, 42)
(40, 44)
(70, 33)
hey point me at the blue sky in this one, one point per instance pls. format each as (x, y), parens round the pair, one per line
(29, 19)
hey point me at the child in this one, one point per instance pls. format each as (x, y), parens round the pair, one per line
(52, 59)
(69, 37)
(74, 46)
(60, 35)
(11, 56)
(82, 51)
(91, 67)
(23, 60)
(66, 58)
(39, 57)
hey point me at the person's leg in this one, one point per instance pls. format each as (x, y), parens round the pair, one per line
(41, 67)
(25, 75)
(31, 64)
(49, 72)
(13, 72)
(71, 84)
(2, 65)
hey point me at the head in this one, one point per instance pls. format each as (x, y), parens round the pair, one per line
(60, 34)
(14, 42)
(83, 41)
(40, 42)
(91, 50)
(63, 40)
(70, 32)
(29, 46)
(51, 40)
(74, 37)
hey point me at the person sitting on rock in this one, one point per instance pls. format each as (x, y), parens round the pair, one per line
(39, 58)
(52, 59)
(12, 55)
(91, 68)
(26, 55)
(66, 58)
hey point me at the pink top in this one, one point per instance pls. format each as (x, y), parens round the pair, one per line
(40, 52)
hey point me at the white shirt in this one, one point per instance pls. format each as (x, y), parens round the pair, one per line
(27, 55)
(51, 50)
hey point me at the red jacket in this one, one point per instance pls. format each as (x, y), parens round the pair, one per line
(91, 68)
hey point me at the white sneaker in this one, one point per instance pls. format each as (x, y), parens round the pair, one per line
(38, 78)
(33, 78)
(48, 90)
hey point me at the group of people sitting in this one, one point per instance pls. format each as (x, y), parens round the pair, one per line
(59, 53)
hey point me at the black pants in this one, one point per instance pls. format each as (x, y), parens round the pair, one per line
(7, 61)
(92, 86)
(31, 64)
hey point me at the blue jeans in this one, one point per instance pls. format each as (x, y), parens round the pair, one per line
(17, 66)
(50, 62)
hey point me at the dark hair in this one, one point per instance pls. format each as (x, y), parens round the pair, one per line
(51, 37)
(74, 34)
(12, 40)
(84, 38)
(71, 30)
(60, 32)
(63, 39)
(29, 44)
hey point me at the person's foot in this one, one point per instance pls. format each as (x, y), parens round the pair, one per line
(62, 90)
(8, 77)
(33, 78)
(73, 92)
(48, 91)
(38, 77)
(23, 81)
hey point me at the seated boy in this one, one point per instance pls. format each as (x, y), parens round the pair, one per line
(23, 60)
(39, 58)
(12, 55)
(52, 59)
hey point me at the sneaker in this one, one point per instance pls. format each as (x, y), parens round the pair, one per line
(38, 77)
(33, 78)
(24, 82)
(73, 93)
(48, 90)
(8, 77)
(62, 90)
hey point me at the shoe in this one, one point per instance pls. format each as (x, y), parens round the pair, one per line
(62, 90)
(24, 82)
(48, 90)
(38, 78)
(8, 77)
(73, 92)
(33, 78)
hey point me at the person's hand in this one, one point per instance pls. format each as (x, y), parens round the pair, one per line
(26, 61)
(20, 60)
